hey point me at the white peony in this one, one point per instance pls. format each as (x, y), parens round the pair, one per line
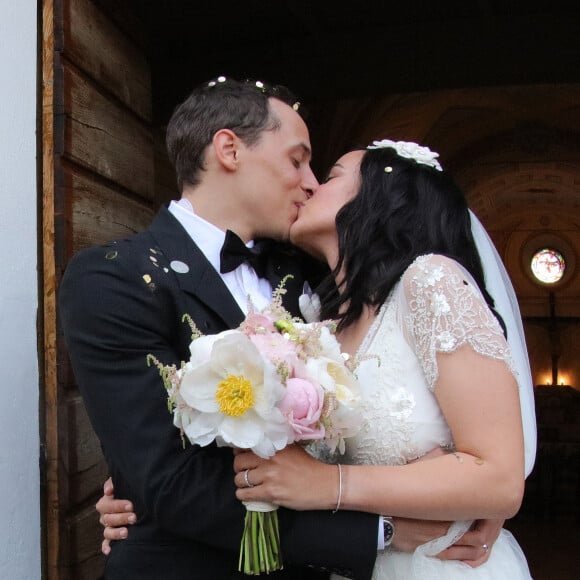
(330, 346)
(342, 418)
(333, 377)
(235, 392)
(329, 370)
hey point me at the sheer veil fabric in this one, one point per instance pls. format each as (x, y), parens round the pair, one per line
(499, 285)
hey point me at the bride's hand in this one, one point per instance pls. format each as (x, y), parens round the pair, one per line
(292, 478)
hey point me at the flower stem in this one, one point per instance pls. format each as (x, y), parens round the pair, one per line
(260, 546)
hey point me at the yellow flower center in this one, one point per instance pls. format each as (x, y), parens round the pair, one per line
(235, 395)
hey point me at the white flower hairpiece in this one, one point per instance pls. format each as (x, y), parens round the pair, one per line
(410, 150)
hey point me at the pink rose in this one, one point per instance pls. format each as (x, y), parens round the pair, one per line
(302, 406)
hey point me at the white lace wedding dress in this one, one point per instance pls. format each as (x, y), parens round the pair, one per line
(435, 308)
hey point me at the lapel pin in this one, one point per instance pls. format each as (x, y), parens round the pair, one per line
(179, 267)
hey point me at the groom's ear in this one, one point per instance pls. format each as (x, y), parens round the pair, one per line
(226, 145)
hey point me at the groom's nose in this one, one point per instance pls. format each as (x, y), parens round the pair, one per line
(309, 183)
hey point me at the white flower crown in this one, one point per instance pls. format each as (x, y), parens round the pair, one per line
(410, 150)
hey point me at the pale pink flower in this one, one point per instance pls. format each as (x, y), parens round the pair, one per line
(274, 346)
(257, 323)
(302, 406)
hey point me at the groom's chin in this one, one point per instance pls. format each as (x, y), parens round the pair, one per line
(296, 234)
(295, 238)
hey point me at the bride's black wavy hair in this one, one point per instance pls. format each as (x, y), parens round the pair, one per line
(397, 216)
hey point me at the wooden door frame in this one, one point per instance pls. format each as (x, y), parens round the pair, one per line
(51, 534)
(51, 213)
(68, 76)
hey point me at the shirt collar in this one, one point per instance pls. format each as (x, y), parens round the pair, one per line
(209, 238)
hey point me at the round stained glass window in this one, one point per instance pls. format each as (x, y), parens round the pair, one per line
(548, 265)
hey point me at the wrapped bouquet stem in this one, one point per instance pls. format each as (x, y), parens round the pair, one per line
(260, 548)
(271, 382)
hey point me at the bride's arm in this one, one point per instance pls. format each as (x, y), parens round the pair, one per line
(484, 478)
(465, 359)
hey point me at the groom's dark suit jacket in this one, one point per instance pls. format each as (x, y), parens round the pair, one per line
(125, 300)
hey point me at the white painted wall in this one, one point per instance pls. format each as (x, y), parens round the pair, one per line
(19, 389)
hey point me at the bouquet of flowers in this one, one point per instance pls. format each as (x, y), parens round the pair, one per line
(273, 381)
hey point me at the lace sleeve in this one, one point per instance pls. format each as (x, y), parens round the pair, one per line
(443, 309)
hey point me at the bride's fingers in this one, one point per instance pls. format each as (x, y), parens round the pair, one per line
(247, 478)
(245, 460)
(256, 493)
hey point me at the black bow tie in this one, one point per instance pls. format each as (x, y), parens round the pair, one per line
(234, 252)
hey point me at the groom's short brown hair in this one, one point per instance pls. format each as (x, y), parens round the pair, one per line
(221, 104)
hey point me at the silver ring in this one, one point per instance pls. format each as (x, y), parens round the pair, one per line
(485, 548)
(250, 484)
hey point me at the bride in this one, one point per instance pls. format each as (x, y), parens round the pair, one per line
(421, 327)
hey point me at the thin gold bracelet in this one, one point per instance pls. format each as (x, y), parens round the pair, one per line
(339, 489)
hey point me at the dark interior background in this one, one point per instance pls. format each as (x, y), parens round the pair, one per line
(327, 50)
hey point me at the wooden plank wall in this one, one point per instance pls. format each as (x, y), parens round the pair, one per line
(104, 188)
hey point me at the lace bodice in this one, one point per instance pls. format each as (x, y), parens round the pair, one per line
(436, 307)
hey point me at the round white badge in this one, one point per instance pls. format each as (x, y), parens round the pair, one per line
(179, 267)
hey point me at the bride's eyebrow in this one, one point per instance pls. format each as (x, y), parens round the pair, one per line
(333, 167)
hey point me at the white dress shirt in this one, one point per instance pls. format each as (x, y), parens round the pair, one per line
(243, 282)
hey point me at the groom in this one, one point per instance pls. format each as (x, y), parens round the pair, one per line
(242, 158)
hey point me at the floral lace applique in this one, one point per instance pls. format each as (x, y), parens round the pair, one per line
(388, 431)
(387, 437)
(445, 311)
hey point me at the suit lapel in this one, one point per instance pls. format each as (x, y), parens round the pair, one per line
(200, 280)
